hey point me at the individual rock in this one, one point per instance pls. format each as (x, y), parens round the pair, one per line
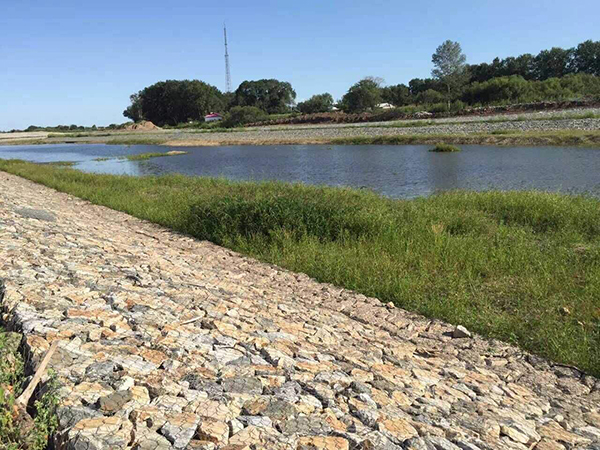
(114, 402)
(243, 385)
(179, 429)
(213, 431)
(100, 433)
(39, 214)
(305, 426)
(322, 443)
(461, 332)
(397, 428)
(519, 431)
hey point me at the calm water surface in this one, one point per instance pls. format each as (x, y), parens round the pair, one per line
(396, 171)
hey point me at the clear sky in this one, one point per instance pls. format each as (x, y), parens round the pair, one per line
(65, 62)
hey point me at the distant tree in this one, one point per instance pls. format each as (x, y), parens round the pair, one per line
(272, 96)
(240, 115)
(430, 96)
(556, 62)
(175, 101)
(450, 67)
(134, 111)
(316, 104)
(398, 95)
(418, 85)
(586, 58)
(361, 96)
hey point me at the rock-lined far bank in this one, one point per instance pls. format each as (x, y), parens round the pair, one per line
(168, 342)
(543, 121)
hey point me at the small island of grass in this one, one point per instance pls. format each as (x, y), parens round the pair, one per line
(445, 148)
(143, 156)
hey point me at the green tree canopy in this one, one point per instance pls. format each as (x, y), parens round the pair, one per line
(361, 96)
(174, 101)
(316, 104)
(450, 67)
(556, 62)
(240, 115)
(586, 58)
(272, 96)
(398, 95)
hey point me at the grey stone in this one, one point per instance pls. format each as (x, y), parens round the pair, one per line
(440, 443)
(179, 434)
(256, 421)
(101, 371)
(39, 214)
(360, 388)
(113, 402)
(69, 416)
(242, 385)
(307, 426)
(198, 383)
(279, 410)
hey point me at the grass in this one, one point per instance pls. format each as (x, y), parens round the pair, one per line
(144, 156)
(504, 264)
(62, 163)
(445, 148)
(12, 381)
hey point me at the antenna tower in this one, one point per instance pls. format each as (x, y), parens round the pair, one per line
(227, 72)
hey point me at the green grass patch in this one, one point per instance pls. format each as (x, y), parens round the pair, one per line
(62, 163)
(445, 148)
(504, 264)
(144, 156)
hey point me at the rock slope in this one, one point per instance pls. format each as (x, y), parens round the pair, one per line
(168, 342)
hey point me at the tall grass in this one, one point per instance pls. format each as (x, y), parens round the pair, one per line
(519, 266)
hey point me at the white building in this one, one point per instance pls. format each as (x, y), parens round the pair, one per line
(213, 117)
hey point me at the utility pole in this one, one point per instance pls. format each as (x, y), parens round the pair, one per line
(227, 72)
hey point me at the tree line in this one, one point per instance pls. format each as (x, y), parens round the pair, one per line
(555, 74)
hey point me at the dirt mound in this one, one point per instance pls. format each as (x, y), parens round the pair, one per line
(144, 125)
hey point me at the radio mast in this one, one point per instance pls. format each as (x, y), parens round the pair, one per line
(227, 72)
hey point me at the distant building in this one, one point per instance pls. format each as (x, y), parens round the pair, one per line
(213, 117)
(385, 106)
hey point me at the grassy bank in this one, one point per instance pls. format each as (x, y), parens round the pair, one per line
(520, 266)
(503, 137)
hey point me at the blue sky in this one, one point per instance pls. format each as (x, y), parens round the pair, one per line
(65, 62)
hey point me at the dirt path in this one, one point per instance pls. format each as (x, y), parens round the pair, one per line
(168, 342)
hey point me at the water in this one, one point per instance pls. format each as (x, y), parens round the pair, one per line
(396, 171)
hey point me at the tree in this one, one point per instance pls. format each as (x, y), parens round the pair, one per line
(556, 62)
(240, 115)
(361, 96)
(272, 96)
(316, 104)
(398, 95)
(586, 58)
(174, 101)
(134, 111)
(450, 67)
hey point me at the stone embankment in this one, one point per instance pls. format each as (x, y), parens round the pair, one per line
(541, 121)
(168, 342)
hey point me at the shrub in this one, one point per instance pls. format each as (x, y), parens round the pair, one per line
(445, 148)
(240, 115)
